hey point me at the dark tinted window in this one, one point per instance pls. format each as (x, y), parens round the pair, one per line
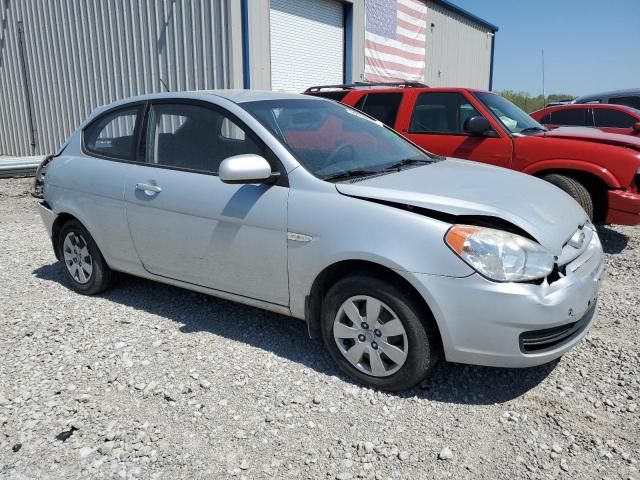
(441, 112)
(545, 120)
(113, 134)
(577, 117)
(333, 95)
(628, 101)
(381, 106)
(613, 118)
(195, 137)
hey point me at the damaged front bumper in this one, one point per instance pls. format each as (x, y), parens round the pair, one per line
(515, 324)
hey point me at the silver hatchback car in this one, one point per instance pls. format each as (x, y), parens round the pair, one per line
(309, 208)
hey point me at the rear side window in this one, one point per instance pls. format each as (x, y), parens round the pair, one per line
(576, 117)
(613, 118)
(195, 137)
(332, 95)
(628, 101)
(113, 135)
(381, 106)
(545, 120)
(441, 112)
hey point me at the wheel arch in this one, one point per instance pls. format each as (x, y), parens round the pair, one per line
(576, 167)
(62, 218)
(341, 269)
(595, 184)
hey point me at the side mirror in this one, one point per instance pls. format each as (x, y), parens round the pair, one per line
(248, 168)
(477, 126)
(636, 127)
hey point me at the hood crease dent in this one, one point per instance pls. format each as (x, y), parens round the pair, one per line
(453, 189)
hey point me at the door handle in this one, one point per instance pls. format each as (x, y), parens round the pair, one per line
(148, 189)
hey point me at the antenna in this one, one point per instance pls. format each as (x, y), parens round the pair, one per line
(544, 97)
(164, 85)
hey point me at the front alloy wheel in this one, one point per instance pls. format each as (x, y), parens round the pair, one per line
(379, 332)
(370, 336)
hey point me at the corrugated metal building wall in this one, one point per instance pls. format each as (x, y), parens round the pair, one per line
(459, 50)
(59, 60)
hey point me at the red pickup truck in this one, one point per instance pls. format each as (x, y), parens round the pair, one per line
(601, 171)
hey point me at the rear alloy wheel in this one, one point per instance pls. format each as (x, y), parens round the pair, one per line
(84, 264)
(574, 188)
(378, 334)
(77, 258)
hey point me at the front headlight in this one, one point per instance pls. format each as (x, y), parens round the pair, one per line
(499, 255)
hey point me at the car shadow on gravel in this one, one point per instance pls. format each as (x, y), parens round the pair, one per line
(287, 338)
(612, 242)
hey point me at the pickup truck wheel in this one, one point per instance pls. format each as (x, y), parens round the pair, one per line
(377, 334)
(574, 188)
(84, 264)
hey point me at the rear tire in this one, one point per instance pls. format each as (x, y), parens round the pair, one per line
(412, 344)
(574, 188)
(83, 263)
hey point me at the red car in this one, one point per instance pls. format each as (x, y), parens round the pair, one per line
(601, 171)
(605, 117)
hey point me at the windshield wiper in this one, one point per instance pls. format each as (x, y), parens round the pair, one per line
(394, 167)
(404, 162)
(356, 172)
(533, 129)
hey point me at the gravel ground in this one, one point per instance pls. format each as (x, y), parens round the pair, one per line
(151, 381)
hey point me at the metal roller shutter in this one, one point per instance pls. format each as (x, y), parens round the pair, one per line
(307, 43)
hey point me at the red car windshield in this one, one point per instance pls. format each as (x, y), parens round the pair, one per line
(330, 139)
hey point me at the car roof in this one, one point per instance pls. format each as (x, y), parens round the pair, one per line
(379, 89)
(570, 106)
(236, 96)
(634, 92)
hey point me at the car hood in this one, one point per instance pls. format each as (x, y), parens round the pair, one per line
(593, 135)
(461, 187)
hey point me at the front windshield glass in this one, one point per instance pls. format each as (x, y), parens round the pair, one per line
(332, 140)
(514, 119)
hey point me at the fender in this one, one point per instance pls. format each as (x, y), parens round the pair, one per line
(578, 165)
(66, 211)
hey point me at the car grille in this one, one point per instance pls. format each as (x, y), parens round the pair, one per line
(539, 341)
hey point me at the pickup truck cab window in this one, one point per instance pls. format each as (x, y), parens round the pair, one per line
(441, 113)
(381, 106)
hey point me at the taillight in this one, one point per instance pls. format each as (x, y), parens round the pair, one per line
(38, 183)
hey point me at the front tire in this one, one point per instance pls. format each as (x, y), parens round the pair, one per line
(83, 263)
(378, 334)
(574, 188)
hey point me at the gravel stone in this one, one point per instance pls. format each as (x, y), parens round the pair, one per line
(445, 454)
(150, 381)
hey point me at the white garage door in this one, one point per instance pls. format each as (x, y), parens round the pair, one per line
(307, 44)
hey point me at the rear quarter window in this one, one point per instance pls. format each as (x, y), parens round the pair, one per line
(113, 134)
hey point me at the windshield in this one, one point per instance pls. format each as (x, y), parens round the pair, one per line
(333, 141)
(513, 119)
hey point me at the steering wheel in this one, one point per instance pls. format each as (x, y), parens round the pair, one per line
(332, 157)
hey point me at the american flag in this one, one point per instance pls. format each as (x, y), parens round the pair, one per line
(395, 40)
